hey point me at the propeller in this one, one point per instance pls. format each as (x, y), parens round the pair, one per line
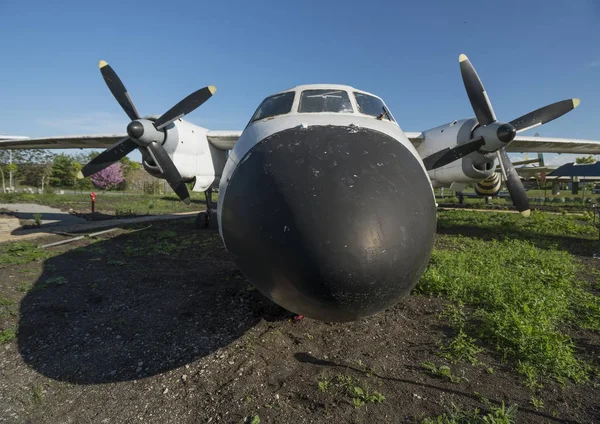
(145, 134)
(449, 155)
(490, 135)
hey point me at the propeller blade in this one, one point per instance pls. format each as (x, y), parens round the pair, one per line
(544, 114)
(477, 96)
(185, 106)
(447, 155)
(170, 171)
(111, 155)
(118, 90)
(514, 184)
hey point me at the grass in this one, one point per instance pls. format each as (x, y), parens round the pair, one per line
(114, 203)
(461, 348)
(443, 371)
(537, 403)
(522, 301)
(37, 394)
(6, 307)
(507, 225)
(19, 253)
(356, 390)
(457, 415)
(7, 335)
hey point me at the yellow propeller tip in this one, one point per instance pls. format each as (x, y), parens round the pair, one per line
(576, 103)
(102, 64)
(462, 58)
(79, 175)
(212, 89)
(526, 213)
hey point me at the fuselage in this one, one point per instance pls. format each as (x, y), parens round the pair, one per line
(325, 204)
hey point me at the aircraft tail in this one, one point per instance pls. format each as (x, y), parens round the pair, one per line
(541, 159)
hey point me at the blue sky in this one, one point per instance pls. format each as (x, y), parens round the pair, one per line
(528, 54)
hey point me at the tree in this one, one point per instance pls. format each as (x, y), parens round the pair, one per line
(31, 167)
(80, 184)
(585, 159)
(6, 166)
(63, 171)
(109, 177)
(129, 165)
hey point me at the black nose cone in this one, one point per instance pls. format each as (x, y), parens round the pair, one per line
(135, 129)
(334, 223)
(506, 133)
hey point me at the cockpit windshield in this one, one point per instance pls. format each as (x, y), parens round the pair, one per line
(371, 105)
(278, 104)
(336, 101)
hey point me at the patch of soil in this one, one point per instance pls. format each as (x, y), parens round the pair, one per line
(159, 326)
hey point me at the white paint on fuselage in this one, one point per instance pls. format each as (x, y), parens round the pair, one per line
(257, 131)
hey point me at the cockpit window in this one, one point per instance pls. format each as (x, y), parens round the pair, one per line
(325, 101)
(279, 104)
(371, 105)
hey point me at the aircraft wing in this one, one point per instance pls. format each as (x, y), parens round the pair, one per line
(65, 142)
(530, 171)
(223, 140)
(415, 138)
(553, 145)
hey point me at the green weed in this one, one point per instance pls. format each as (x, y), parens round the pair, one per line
(21, 252)
(461, 348)
(364, 396)
(54, 281)
(505, 225)
(358, 391)
(324, 385)
(37, 393)
(37, 219)
(124, 212)
(7, 335)
(537, 403)
(521, 298)
(457, 415)
(6, 308)
(24, 287)
(4, 301)
(443, 371)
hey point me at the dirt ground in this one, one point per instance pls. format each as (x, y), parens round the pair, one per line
(158, 325)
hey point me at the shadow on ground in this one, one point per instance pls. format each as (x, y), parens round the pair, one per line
(137, 305)
(49, 221)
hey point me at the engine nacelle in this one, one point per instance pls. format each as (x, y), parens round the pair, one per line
(192, 154)
(471, 168)
(490, 186)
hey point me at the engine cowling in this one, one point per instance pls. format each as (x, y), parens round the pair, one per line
(195, 158)
(490, 186)
(472, 168)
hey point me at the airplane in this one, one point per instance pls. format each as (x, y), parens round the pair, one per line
(12, 137)
(325, 204)
(490, 187)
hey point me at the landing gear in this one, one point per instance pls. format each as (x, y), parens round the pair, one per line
(207, 219)
(208, 197)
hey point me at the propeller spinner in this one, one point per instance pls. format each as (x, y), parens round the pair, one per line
(145, 134)
(493, 136)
